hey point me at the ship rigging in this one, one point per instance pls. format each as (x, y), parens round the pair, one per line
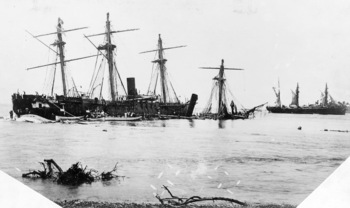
(68, 83)
(116, 86)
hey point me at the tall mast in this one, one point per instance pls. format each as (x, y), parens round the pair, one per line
(110, 47)
(161, 62)
(326, 95)
(60, 43)
(297, 94)
(221, 83)
(221, 80)
(278, 94)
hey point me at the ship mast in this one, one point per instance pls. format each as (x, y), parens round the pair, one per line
(109, 48)
(297, 94)
(278, 94)
(326, 95)
(60, 44)
(161, 61)
(221, 80)
(162, 69)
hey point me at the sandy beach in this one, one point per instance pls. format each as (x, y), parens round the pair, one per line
(94, 204)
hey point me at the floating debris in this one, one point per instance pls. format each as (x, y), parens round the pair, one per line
(219, 186)
(177, 172)
(229, 191)
(344, 131)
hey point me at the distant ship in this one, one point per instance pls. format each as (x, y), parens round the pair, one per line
(323, 107)
(118, 101)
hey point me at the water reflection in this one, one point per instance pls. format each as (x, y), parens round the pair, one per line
(191, 122)
(222, 124)
(131, 124)
(163, 123)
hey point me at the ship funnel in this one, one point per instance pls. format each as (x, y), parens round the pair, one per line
(131, 87)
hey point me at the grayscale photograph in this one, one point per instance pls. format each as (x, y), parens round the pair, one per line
(175, 103)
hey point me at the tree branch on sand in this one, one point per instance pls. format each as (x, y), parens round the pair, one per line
(182, 201)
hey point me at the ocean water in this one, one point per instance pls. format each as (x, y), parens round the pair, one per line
(265, 159)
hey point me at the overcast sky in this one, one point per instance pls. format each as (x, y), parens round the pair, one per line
(305, 41)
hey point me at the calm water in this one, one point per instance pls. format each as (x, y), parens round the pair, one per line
(265, 159)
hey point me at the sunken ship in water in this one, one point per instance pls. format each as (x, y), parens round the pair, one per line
(118, 102)
(327, 105)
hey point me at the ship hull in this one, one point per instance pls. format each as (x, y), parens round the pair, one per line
(329, 110)
(49, 108)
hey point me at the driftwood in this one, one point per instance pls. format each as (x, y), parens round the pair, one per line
(181, 201)
(75, 175)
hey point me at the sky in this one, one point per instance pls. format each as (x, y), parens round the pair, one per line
(293, 41)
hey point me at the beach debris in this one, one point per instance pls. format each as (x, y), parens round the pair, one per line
(75, 175)
(106, 176)
(174, 201)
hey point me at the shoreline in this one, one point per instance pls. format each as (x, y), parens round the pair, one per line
(98, 204)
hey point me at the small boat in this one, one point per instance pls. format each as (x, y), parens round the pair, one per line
(71, 118)
(138, 118)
